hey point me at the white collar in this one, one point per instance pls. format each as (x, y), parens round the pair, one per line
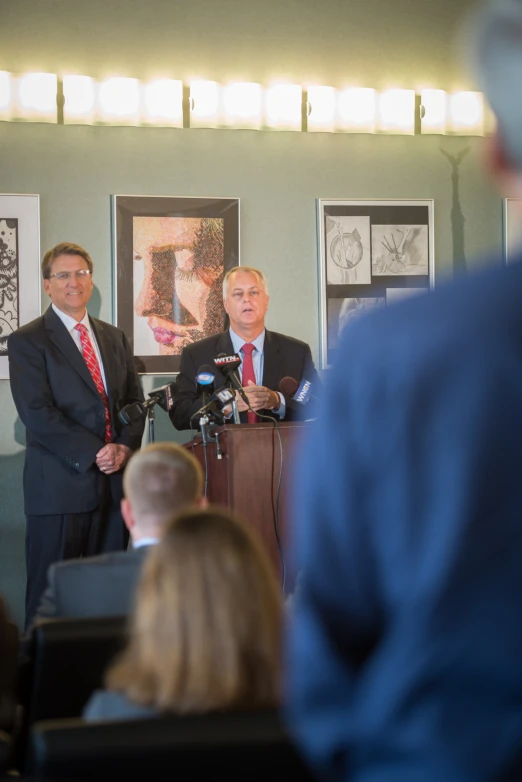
(71, 323)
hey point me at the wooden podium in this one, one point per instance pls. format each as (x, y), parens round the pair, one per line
(245, 479)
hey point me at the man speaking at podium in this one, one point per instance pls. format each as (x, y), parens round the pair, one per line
(266, 356)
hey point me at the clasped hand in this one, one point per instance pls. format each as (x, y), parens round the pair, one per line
(260, 398)
(112, 457)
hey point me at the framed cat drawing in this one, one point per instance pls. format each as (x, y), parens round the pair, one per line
(371, 254)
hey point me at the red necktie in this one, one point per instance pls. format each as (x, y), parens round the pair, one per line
(247, 373)
(94, 368)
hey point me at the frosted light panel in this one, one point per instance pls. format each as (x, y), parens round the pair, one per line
(466, 113)
(396, 111)
(356, 107)
(242, 105)
(205, 102)
(283, 107)
(35, 97)
(163, 103)
(6, 94)
(80, 99)
(434, 103)
(321, 108)
(119, 101)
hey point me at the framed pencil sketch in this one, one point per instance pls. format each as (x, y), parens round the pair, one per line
(371, 253)
(512, 234)
(170, 256)
(20, 300)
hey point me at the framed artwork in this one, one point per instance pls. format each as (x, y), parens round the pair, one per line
(371, 253)
(19, 267)
(512, 235)
(170, 256)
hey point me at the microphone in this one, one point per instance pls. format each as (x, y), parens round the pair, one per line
(228, 366)
(301, 392)
(205, 382)
(219, 399)
(163, 396)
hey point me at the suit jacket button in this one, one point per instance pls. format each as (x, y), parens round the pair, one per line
(77, 465)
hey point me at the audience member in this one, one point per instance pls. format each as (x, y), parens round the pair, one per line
(406, 642)
(159, 481)
(8, 656)
(205, 633)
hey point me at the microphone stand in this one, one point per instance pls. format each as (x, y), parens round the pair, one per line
(150, 419)
(235, 412)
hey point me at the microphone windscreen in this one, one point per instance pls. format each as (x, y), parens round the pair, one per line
(288, 386)
(206, 374)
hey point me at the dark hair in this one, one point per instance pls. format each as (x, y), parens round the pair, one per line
(64, 248)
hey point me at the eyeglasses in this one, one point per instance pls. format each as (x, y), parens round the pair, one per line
(80, 274)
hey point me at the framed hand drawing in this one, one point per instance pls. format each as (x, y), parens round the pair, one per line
(171, 254)
(512, 235)
(19, 267)
(371, 253)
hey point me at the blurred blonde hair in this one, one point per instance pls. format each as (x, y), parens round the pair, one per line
(205, 633)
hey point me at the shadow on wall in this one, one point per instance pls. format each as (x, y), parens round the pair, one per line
(12, 533)
(457, 215)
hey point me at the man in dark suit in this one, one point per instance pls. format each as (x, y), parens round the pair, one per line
(159, 481)
(266, 356)
(405, 648)
(70, 375)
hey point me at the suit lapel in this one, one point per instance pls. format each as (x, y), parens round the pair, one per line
(272, 361)
(59, 335)
(223, 344)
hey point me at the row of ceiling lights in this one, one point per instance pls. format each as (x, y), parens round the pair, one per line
(41, 97)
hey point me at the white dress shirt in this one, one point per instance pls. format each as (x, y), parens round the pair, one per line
(258, 360)
(70, 324)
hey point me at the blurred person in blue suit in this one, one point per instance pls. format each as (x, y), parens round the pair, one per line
(405, 645)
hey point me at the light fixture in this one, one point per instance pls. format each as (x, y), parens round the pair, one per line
(6, 95)
(396, 111)
(433, 111)
(205, 104)
(242, 104)
(162, 103)
(34, 97)
(79, 94)
(119, 101)
(283, 107)
(321, 108)
(466, 113)
(356, 108)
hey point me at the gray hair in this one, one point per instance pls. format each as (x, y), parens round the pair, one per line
(251, 270)
(497, 61)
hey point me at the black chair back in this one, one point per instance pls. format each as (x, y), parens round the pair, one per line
(237, 746)
(68, 659)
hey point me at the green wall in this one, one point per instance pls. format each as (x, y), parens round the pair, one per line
(277, 176)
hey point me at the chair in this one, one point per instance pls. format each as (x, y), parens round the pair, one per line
(243, 746)
(68, 660)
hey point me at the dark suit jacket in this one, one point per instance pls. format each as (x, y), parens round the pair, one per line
(63, 412)
(93, 586)
(406, 642)
(283, 357)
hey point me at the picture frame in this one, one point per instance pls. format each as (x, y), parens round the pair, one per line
(371, 253)
(170, 256)
(20, 286)
(512, 229)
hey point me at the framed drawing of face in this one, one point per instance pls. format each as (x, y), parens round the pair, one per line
(171, 254)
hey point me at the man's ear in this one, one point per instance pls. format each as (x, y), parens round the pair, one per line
(126, 512)
(507, 178)
(202, 502)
